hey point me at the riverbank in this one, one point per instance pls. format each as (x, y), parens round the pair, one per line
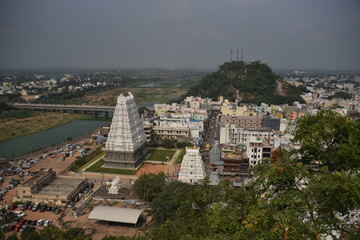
(40, 121)
(47, 138)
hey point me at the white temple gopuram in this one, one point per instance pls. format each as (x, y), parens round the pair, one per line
(192, 167)
(125, 146)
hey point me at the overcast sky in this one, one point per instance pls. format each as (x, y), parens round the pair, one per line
(302, 34)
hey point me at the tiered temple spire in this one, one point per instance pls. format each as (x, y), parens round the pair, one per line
(125, 147)
(192, 167)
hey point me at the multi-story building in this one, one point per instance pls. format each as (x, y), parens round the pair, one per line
(175, 133)
(231, 134)
(242, 121)
(236, 164)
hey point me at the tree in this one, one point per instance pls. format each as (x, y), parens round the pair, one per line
(287, 200)
(4, 106)
(142, 109)
(148, 186)
(328, 139)
(30, 234)
(169, 200)
(13, 236)
(167, 143)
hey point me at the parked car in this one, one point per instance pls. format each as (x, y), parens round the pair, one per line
(47, 223)
(17, 228)
(40, 222)
(13, 207)
(43, 208)
(20, 214)
(57, 210)
(23, 228)
(22, 221)
(5, 228)
(36, 207)
(24, 206)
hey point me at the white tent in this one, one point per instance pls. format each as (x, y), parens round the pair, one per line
(115, 214)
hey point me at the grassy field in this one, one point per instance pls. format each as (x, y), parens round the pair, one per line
(155, 95)
(12, 128)
(180, 157)
(160, 155)
(97, 167)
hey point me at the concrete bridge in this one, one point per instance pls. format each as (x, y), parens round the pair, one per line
(82, 109)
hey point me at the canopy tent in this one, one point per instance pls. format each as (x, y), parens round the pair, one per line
(115, 214)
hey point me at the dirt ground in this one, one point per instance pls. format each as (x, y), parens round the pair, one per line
(98, 230)
(157, 168)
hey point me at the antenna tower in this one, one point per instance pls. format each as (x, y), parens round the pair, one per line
(237, 55)
(231, 56)
(242, 55)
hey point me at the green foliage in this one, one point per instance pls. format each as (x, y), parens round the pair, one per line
(167, 143)
(255, 82)
(4, 106)
(329, 139)
(180, 155)
(16, 113)
(182, 144)
(76, 234)
(78, 163)
(161, 155)
(287, 200)
(148, 186)
(30, 234)
(98, 167)
(13, 236)
(174, 196)
(343, 95)
(142, 109)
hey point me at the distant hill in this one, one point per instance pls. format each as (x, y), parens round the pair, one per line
(251, 82)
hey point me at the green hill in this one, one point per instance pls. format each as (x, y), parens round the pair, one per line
(251, 82)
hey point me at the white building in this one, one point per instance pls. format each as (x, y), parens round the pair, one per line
(192, 168)
(231, 134)
(254, 150)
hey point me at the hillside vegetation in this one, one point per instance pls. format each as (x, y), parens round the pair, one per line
(251, 82)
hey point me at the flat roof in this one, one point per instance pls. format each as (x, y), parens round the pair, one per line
(61, 186)
(38, 176)
(115, 214)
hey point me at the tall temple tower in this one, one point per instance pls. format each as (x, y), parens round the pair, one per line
(125, 147)
(192, 167)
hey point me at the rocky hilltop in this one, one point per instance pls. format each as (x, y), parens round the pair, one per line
(248, 81)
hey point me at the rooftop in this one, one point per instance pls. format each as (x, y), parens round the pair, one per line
(116, 214)
(61, 186)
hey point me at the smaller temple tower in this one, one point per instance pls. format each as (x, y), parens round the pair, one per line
(192, 168)
(215, 154)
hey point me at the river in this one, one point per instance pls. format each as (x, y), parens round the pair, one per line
(19, 146)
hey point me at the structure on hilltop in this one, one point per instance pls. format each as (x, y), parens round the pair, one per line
(192, 167)
(125, 147)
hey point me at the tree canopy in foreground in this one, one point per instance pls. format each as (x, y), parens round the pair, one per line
(306, 194)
